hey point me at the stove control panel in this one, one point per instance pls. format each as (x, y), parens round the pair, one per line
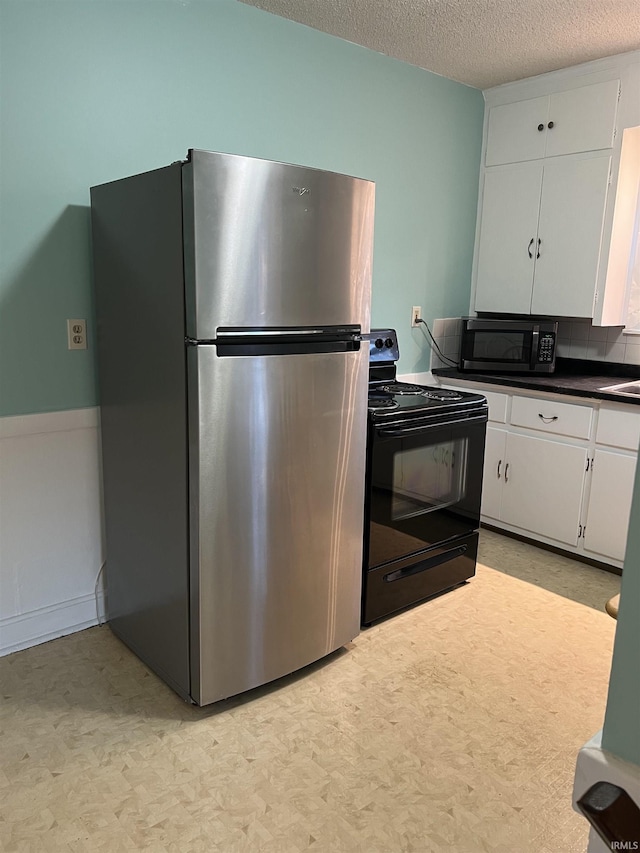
(383, 345)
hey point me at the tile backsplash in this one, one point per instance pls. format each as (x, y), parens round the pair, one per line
(446, 333)
(576, 339)
(579, 339)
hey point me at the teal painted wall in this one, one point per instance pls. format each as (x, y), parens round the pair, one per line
(621, 731)
(93, 90)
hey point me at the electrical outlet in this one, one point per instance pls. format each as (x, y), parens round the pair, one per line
(416, 315)
(77, 334)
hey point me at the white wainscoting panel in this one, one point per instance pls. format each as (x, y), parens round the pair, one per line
(51, 541)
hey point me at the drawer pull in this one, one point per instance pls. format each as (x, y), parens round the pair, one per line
(547, 419)
(506, 473)
(498, 471)
(531, 242)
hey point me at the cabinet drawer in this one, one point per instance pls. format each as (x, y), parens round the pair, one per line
(552, 417)
(619, 428)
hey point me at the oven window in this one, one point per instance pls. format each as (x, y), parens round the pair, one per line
(501, 346)
(428, 478)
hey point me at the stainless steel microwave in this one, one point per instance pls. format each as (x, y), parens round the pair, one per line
(510, 346)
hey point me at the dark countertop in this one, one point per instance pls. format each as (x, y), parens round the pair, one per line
(577, 377)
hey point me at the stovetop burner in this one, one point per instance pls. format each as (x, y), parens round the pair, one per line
(385, 402)
(402, 388)
(410, 399)
(441, 394)
(391, 400)
(389, 390)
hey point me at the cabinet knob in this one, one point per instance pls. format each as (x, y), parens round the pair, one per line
(550, 125)
(540, 127)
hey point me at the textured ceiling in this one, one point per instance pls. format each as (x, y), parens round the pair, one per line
(478, 42)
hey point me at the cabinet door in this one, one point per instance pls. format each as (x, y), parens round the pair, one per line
(508, 228)
(543, 487)
(584, 119)
(512, 131)
(574, 193)
(569, 122)
(610, 497)
(493, 477)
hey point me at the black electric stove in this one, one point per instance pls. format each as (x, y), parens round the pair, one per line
(425, 453)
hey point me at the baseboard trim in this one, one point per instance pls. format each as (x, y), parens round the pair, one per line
(49, 623)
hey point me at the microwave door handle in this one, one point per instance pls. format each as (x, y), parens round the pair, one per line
(535, 338)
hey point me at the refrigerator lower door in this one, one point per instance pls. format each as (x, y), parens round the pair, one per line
(277, 463)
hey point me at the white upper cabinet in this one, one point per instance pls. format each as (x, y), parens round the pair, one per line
(540, 236)
(509, 223)
(557, 201)
(574, 194)
(568, 122)
(513, 133)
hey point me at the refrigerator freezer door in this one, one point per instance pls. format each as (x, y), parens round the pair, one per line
(277, 458)
(273, 245)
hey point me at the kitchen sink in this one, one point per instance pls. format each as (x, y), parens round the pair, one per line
(630, 388)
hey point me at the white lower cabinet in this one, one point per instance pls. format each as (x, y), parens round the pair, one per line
(612, 478)
(535, 484)
(543, 487)
(607, 519)
(560, 470)
(495, 452)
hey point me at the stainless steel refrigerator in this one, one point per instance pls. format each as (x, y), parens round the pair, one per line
(231, 294)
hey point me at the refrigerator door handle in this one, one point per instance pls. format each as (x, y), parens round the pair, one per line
(347, 332)
(226, 333)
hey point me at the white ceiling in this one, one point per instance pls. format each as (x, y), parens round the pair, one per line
(478, 42)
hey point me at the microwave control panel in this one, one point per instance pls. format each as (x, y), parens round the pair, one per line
(546, 347)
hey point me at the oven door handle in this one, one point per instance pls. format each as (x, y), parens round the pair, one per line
(426, 427)
(425, 565)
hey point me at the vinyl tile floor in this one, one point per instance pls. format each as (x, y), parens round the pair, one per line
(453, 726)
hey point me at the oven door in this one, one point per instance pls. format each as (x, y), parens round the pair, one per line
(424, 485)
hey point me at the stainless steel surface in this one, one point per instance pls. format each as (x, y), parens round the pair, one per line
(234, 484)
(629, 389)
(270, 244)
(277, 494)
